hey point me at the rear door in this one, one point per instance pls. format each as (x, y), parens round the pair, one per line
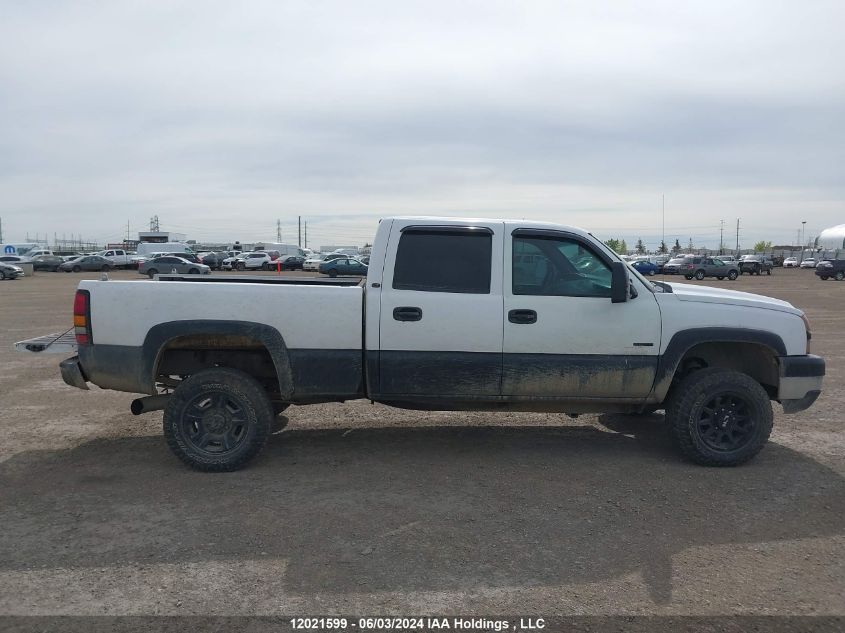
(563, 338)
(440, 315)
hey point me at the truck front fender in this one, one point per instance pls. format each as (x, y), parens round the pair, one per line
(681, 342)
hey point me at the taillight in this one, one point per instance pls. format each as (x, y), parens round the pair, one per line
(82, 317)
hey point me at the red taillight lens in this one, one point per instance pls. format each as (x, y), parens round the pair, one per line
(82, 317)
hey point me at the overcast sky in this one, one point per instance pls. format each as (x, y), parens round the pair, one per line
(222, 117)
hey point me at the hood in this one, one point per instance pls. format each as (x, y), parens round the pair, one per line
(709, 294)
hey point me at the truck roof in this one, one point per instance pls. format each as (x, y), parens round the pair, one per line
(459, 221)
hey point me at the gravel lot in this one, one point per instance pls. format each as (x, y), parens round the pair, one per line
(363, 509)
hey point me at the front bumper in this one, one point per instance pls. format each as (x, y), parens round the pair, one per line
(72, 373)
(800, 381)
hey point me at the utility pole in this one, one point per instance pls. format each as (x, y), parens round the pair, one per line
(279, 231)
(306, 233)
(722, 237)
(299, 229)
(803, 226)
(737, 237)
(1, 230)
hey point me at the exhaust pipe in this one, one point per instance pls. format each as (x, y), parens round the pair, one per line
(149, 403)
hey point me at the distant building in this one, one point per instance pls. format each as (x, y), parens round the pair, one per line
(348, 250)
(160, 237)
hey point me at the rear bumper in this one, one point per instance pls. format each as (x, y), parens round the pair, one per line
(72, 373)
(800, 381)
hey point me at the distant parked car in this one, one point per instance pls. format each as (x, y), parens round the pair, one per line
(88, 263)
(313, 263)
(673, 266)
(232, 262)
(810, 262)
(790, 262)
(343, 266)
(831, 268)
(645, 267)
(13, 259)
(47, 262)
(292, 262)
(755, 265)
(254, 261)
(214, 260)
(10, 271)
(169, 263)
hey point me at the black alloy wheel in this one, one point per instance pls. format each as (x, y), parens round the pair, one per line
(218, 419)
(725, 422)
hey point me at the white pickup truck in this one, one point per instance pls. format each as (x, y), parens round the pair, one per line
(455, 314)
(117, 256)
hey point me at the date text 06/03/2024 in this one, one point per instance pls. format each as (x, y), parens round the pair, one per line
(417, 624)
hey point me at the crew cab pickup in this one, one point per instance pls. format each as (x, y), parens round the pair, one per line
(454, 314)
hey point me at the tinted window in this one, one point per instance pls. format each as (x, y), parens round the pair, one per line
(436, 261)
(560, 267)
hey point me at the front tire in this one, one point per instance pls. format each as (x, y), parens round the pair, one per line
(194, 271)
(823, 277)
(77, 269)
(332, 273)
(839, 276)
(699, 274)
(719, 417)
(218, 420)
(769, 271)
(733, 275)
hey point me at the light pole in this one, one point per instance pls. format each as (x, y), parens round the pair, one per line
(803, 225)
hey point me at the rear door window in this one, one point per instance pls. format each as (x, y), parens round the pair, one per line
(437, 260)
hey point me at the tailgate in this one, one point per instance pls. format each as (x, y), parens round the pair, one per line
(58, 343)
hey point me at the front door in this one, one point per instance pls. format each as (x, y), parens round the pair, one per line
(563, 338)
(441, 311)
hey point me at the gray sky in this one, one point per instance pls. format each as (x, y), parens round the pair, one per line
(221, 117)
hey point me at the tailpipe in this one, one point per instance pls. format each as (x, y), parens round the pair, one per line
(149, 403)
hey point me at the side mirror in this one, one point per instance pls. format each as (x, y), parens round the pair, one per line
(618, 282)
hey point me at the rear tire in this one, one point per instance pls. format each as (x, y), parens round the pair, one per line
(218, 420)
(699, 274)
(77, 269)
(823, 277)
(769, 271)
(720, 278)
(839, 276)
(152, 272)
(719, 417)
(332, 273)
(651, 273)
(2, 276)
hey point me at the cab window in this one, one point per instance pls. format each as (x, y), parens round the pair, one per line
(444, 260)
(558, 266)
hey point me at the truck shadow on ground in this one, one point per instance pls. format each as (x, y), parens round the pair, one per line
(422, 509)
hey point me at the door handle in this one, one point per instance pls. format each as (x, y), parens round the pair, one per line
(522, 316)
(407, 314)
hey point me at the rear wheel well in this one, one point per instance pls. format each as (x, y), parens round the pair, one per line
(754, 359)
(182, 356)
